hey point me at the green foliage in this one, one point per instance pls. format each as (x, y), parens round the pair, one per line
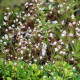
(24, 71)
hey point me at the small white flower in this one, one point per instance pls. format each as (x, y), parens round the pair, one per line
(56, 49)
(74, 68)
(44, 76)
(7, 8)
(43, 51)
(72, 16)
(77, 29)
(63, 22)
(64, 52)
(63, 34)
(11, 55)
(53, 61)
(10, 28)
(21, 66)
(74, 23)
(29, 63)
(79, 22)
(6, 50)
(64, 3)
(59, 46)
(51, 0)
(67, 46)
(61, 5)
(44, 45)
(58, 11)
(4, 23)
(70, 34)
(40, 57)
(51, 35)
(35, 60)
(51, 73)
(73, 42)
(54, 77)
(39, 35)
(67, 7)
(15, 64)
(32, 56)
(54, 43)
(13, 25)
(29, 55)
(6, 36)
(72, 59)
(72, 52)
(5, 43)
(41, 67)
(50, 6)
(16, 19)
(0, 27)
(54, 22)
(21, 57)
(46, 63)
(21, 51)
(5, 62)
(1, 41)
(61, 52)
(19, 43)
(5, 18)
(70, 24)
(28, 14)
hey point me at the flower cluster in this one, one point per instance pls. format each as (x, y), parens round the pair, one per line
(36, 34)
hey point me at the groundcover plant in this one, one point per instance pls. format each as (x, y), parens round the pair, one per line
(40, 40)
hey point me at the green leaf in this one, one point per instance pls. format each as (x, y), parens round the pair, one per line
(8, 78)
(58, 56)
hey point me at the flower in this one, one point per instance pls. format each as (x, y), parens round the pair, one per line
(70, 24)
(63, 34)
(54, 43)
(54, 77)
(40, 57)
(56, 49)
(53, 61)
(21, 51)
(5, 18)
(63, 22)
(72, 16)
(54, 22)
(29, 55)
(0, 27)
(72, 59)
(73, 42)
(72, 52)
(74, 23)
(43, 51)
(74, 68)
(44, 76)
(70, 34)
(35, 60)
(21, 57)
(41, 67)
(21, 66)
(51, 35)
(15, 63)
(67, 7)
(6, 36)
(51, 0)
(51, 73)
(61, 5)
